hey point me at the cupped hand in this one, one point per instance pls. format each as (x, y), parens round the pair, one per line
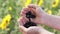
(37, 11)
(31, 30)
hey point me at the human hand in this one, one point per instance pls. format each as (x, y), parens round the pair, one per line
(31, 30)
(37, 11)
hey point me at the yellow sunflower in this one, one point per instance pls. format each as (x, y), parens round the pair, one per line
(49, 12)
(55, 3)
(27, 2)
(40, 2)
(5, 21)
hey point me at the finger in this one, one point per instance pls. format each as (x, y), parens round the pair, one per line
(22, 14)
(22, 29)
(20, 21)
(32, 6)
(24, 11)
(33, 10)
(25, 20)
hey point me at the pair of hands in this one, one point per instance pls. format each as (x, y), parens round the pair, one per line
(40, 17)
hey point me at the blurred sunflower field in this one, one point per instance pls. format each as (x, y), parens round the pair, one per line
(10, 12)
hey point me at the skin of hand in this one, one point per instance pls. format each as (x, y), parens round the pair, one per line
(37, 11)
(41, 16)
(31, 30)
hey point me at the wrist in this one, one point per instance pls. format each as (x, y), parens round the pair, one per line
(44, 18)
(45, 32)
